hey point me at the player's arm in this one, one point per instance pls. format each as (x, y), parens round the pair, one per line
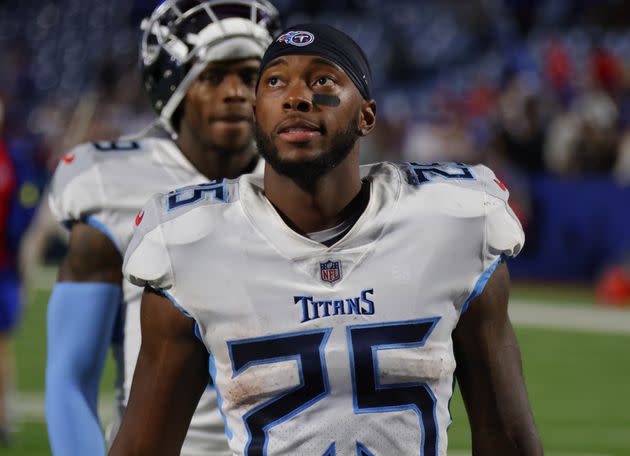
(81, 314)
(490, 375)
(170, 376)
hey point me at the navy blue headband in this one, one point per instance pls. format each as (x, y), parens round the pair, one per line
(327, 42)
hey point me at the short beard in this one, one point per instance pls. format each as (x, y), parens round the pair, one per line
(228, 151)
(227, 148)
(309, 170)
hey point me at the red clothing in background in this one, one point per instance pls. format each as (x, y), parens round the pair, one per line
(8, 184)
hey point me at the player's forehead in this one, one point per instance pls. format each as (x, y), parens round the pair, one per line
(302, 63)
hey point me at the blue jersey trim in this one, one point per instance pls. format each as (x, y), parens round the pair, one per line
(196, 329)
(481, 283)
(380, 387)
(298, 359)
(180, 308)
(213, 374)
(211, 366)
(92, 221)
(331, 451)
(448, 406)
(362, 450)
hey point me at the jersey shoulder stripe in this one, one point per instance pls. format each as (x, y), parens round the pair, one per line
(475, 177)
(209, 193)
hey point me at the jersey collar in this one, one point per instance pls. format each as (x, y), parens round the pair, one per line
(385, 188)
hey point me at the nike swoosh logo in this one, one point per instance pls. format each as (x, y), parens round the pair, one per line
(139, 218)
(501, 184)
(68, 158)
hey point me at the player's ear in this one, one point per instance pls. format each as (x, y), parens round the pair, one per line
(367, 119)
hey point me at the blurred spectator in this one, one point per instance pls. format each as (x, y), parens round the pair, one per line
(606, 70)
(558, 70)
(9, 285)
(585, 140)
(521, 127)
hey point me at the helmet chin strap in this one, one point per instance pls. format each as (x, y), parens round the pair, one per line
(142, 133)
(177, 97)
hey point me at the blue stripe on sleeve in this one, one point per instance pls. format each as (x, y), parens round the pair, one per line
(481, 283)
(92, 221)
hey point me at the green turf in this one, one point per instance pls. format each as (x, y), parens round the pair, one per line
(579, 386)
(30, 440)
(579, 390)
(570, 295)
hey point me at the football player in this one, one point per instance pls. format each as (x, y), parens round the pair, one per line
(200, 62)
(332, 303)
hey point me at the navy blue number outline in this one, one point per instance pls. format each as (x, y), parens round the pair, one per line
(416, 172)
(106, 146)
(239, 367)
(216, 188)
(424, 329)
(429, 324)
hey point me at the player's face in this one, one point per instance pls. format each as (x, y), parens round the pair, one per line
(297, 137)
(218, 105)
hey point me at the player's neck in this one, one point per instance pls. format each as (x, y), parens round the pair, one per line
(217, 164)
(322, 204)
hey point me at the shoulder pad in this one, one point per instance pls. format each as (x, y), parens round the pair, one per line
(146, 259)
(78, 186)
(491, 185)
(503, 232)
(477, 177)
(75, 188)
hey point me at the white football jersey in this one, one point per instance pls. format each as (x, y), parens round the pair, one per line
(341, 350)
(106, 184)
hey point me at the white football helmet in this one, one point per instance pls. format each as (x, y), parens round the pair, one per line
(181, 37)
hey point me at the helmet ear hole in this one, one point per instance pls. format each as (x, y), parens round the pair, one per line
(182, 36)
(162, 78)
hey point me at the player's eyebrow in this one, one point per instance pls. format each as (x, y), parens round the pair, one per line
(320, 61)
(276, 62)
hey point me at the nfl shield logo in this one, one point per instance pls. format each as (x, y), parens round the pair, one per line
(330, 271)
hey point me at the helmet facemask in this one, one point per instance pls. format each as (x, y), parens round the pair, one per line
(182, 36)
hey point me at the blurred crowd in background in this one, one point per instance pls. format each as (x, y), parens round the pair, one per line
(529, 87)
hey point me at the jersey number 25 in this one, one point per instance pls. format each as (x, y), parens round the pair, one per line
(370, 396)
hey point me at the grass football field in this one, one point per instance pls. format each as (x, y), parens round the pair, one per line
(578, 382)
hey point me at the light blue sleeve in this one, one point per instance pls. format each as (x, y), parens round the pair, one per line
(80, 322)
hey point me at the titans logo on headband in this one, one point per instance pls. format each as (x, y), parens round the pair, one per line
(296, 38)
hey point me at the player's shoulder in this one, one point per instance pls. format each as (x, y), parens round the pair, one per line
(90, 172)
(445, 179)
(169, 220)
(84, 163)
(453, 179)
(462, 191)
(90, 157)
(146, 259)
(181, 213)
(213, 196)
